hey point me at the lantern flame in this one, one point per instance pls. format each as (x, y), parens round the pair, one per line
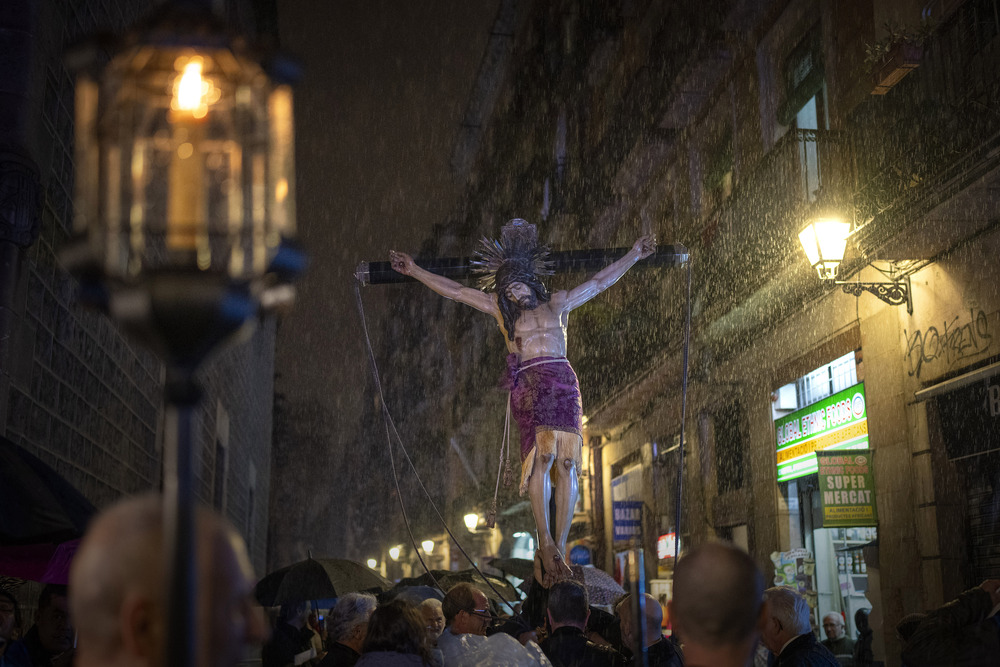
(192, 92)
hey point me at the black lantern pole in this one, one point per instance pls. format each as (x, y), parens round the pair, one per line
(184, 215)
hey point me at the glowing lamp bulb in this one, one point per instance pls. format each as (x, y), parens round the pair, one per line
(428, 546)
(372, 563)
(824, 241)
(471, 521)
(394, 553)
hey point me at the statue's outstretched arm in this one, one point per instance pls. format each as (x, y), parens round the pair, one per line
(446, 287)
(609, 275)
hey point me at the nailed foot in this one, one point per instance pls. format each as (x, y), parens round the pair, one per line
(553, 565)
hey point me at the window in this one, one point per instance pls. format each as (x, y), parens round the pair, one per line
(828, 379)
(730, 448)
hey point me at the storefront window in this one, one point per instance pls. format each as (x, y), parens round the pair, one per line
(837, 578)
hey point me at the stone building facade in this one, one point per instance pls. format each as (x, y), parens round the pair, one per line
(73, 390)
(728, 127)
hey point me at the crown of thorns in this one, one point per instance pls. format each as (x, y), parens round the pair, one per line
(516, 253)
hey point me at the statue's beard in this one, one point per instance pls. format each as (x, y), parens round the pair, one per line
(527, 302)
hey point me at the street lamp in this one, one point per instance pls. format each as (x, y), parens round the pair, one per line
(428, 546)
(372, 563)
(394, 553)
(183, 218)
(824, 241)
(471, 521)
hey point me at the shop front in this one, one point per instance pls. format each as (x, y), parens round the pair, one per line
(825, 477)
(964, 420)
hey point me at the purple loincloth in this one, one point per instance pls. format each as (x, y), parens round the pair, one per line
(543, 397)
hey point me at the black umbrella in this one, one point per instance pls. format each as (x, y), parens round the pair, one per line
(37, 504)
(317, 579)
(522, 568)
(448, 578)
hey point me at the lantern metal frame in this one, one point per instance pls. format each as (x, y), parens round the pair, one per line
(179, 310)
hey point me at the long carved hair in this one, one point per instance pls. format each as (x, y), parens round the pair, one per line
(516, 271)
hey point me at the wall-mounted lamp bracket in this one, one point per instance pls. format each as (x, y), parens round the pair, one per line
(894, 293)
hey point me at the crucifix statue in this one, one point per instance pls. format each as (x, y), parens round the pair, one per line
(544, 391)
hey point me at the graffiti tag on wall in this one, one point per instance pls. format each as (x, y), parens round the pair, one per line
(951, 343)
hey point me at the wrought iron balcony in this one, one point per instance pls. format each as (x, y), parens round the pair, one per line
(935, 132)
(749, 235)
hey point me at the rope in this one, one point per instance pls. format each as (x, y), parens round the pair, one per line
(539, 362)
(389, 423)
(388, 438)
(504, 453)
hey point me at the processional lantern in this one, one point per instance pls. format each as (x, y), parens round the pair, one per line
(184, 202)
(184, 220)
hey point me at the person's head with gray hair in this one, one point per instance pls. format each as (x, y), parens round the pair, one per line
(430, 610)
(347, 623)
(787, 617)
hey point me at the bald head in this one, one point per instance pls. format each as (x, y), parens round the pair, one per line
(652, 615)
(118, 585)
(717, 595)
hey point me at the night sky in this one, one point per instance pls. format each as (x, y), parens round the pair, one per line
(384, 90)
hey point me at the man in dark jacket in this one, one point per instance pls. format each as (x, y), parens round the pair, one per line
(49, 642)
(348, 626)
(660, 651)
(567, 645)
(788, 632)
(290, 644)
(964, 632)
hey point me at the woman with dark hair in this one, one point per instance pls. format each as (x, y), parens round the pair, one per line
(396, 636)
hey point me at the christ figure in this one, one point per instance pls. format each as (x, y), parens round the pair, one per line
(545, 393)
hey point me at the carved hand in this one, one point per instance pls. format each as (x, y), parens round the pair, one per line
(401, 262)
(646, 245)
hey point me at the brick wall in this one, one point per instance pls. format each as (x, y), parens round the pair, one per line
(73, 390)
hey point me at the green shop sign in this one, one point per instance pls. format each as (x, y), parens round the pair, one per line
(847, 488)
(836, 422)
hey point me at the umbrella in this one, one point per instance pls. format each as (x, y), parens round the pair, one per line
(601, 586)
(42, 517)
(522, 568)
(318, 578)
(414, 594)
(37, 504)
(446, 579)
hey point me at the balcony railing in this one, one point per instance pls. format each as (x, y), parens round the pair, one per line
(751, 233)
(935, 131)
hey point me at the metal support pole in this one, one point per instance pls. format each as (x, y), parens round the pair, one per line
(637, 589)
(182, 396)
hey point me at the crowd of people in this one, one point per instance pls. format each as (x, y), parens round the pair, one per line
(721, 615)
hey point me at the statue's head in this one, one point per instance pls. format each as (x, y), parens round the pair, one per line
(522, 295)
(511, 267)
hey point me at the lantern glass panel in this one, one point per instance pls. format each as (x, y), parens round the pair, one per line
(182, 142)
